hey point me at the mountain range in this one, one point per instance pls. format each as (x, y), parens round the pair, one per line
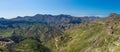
(58, 33)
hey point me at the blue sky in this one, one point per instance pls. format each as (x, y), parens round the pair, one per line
(13, 8)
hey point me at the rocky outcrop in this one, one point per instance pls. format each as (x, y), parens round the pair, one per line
(6, 43)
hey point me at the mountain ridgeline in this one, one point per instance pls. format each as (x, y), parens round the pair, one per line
(58, 20)
(41, 33)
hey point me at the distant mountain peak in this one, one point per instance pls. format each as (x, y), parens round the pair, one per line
(38, 14)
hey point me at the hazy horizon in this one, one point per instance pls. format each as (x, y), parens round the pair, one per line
(14, 8)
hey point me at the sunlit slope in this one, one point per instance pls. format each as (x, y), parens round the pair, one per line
(95, 36)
